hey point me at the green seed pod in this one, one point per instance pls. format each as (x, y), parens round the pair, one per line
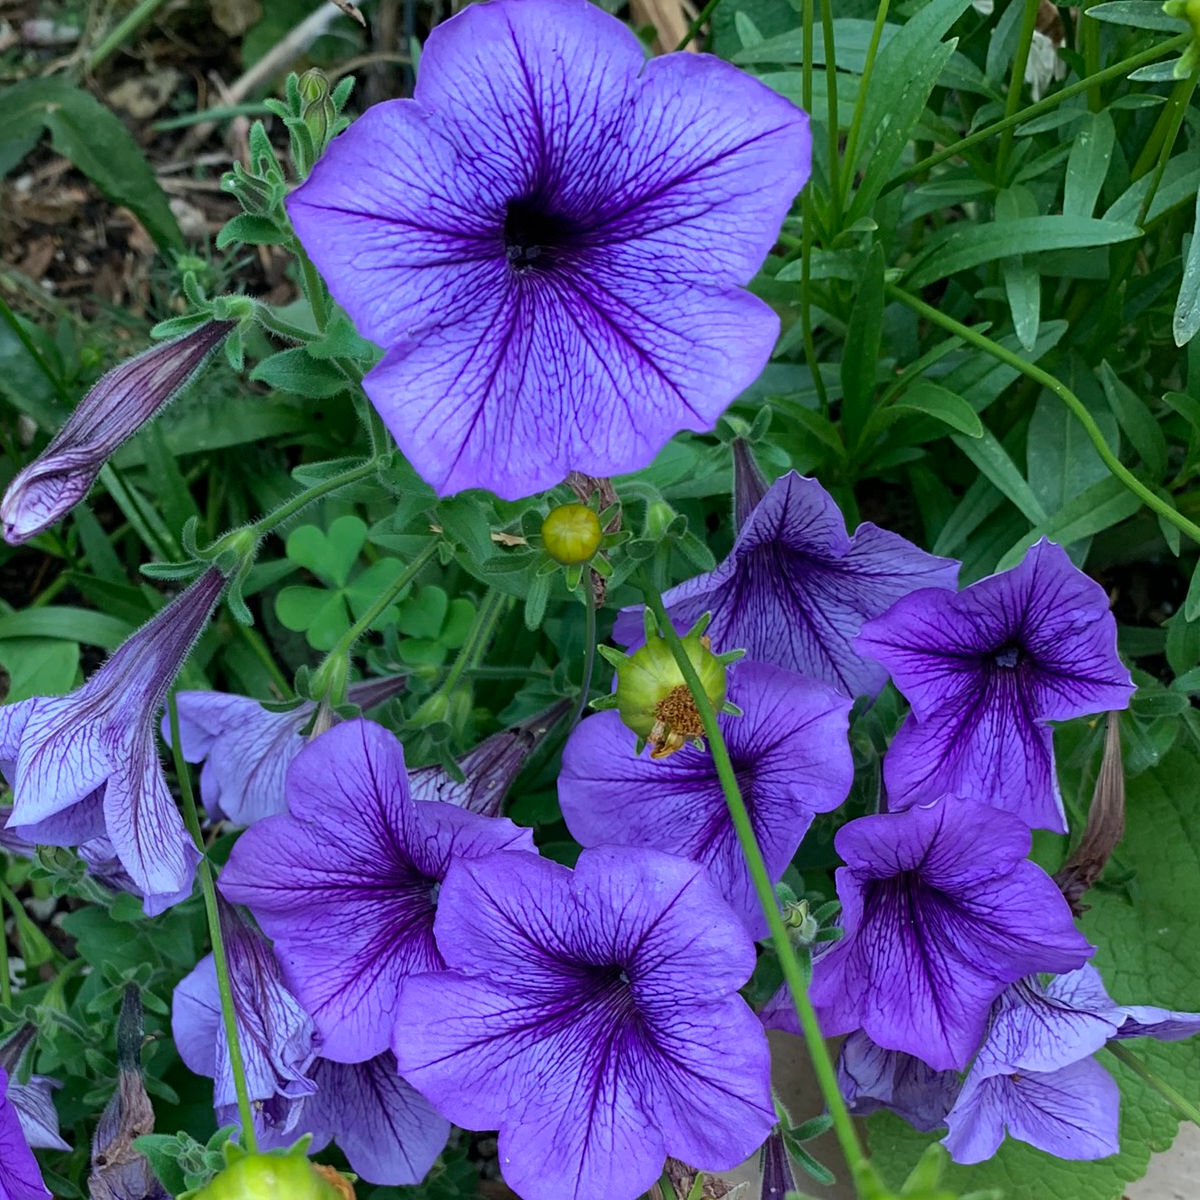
(268, 1177)
(653, 698)
(571, 533)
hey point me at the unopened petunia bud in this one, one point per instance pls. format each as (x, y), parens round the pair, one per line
(653, 698)
(571, 533)
(115, 409)
(268, 1177)
(319, 111)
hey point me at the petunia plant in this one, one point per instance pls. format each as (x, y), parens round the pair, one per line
(637, 557)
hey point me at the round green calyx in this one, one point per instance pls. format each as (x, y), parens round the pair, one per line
(269, 1177)
(572, 534)
(653, 698)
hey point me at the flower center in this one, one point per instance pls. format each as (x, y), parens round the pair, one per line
(1008, 656)
(535, 239)
(676, 719)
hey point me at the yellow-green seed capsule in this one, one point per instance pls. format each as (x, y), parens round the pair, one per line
(653, 698)
(269, 1177)
(571, 534)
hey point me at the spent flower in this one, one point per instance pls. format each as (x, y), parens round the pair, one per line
(551, 240)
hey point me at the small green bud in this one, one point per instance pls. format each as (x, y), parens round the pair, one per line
(319, 111)
(659, 516)
(653, 698)
(572, 534)
(268, 1177)
(800, 923)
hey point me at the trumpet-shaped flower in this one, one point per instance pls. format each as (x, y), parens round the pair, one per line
(85, 765)
(1035, 1077)
(346, 884)
(796, 588)
(941, 911)
(20, 1175)
(871, 1078)
(552, 241)
(276, 1036)
(591, 1016)
(115, 409)
(792, 760)
(985, 669)
(246, 748)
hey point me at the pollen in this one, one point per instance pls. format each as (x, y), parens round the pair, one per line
(676, 720)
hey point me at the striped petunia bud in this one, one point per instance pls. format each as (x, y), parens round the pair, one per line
(114, 410)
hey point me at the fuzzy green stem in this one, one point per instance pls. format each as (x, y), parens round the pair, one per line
(589, 652)
(132, 22)
(1151, 499)
(792, 971)
(1047, 104)
(313, 287)
(1015, 84)
(489, 612)
(289, 508)
(850, 158)
(191, 817)
(1179, 1102)
(694, 28)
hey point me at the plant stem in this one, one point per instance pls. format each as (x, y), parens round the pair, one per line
(850, 158)
(313, 287)
(1151, 499)
(792, 971)
(589, 653)
(131, 23)
(1177, 107)
(1179, 1102)
(191, 817)
(831, 94)
(694, 28)
(1015, 83)
(481, 633)
(1124, 67)
(289, 508)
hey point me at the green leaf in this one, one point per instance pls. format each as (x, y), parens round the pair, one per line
(1141, 14)
(861, 356)
(1187, 305)
(1191, 602)
(66, 624)
(296, 371)
(38, 667)
(251, 230)
(1022, 280)
(370, 585)
(931, 400)
(994, 462)
(329, 555)
(95, 140)
(964, 245)
(1088, 163)
(1136, 421)
(424, 612)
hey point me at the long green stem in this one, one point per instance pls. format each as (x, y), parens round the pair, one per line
(792, 971)
(489, 612)
(1047, 104)
(1015, 84)
(1177, 106)
(850, 158)
(698, 24)
(831, 96)
(314, 288)
(589, 653)
(1177, 1100)
(130, 24)
(302, 499)
(191, 817)
(1151, 499)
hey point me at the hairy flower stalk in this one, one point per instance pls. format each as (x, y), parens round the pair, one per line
(114, 410)
(84, 767)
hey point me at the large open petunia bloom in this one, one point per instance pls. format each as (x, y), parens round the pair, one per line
(246, 748)
(985, 670)
(277, 1038)
(20, 1175)
(552, 240)
(346, 884)
(1035, 1077)
(791, 756)
(941, 911)
(592, 1017)
(85, 766)
(796, 588)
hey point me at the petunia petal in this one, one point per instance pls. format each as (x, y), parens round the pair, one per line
(20, 1176)
(871, 1078)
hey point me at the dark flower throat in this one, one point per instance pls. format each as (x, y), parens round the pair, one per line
(534, 238)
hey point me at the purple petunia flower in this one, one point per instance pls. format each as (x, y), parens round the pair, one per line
(1035, 1076)
(871, 1078)
(346, 885)
(85, 765)
(115, 409)
(985, 670)
(791, 756)
(552, 240)
(277, 1038)
(20, 1175)
(593, 1018)
(796, 588)
(246, 748)
(941, 911)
